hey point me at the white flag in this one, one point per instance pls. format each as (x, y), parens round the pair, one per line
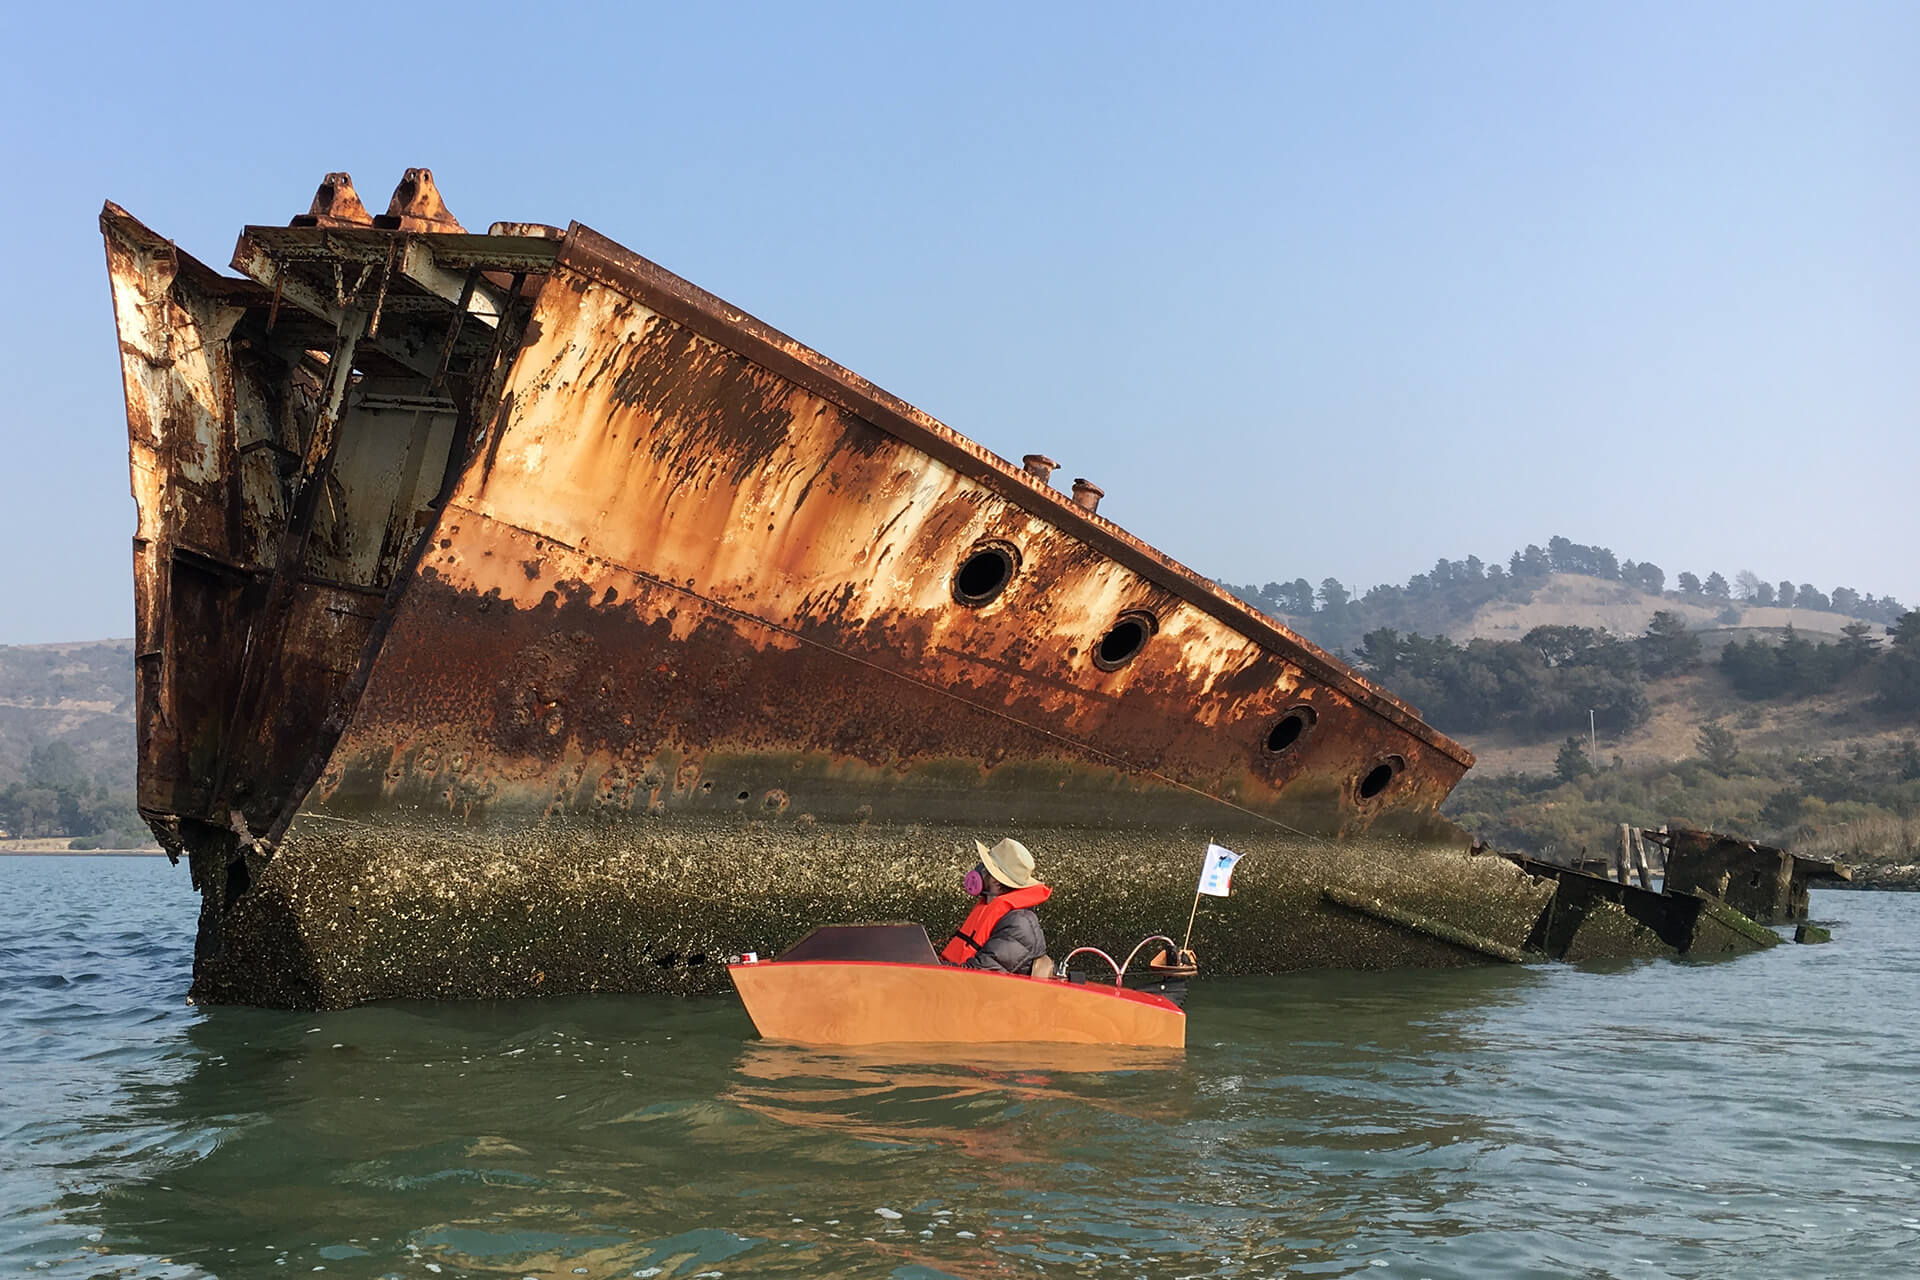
(1217, 870)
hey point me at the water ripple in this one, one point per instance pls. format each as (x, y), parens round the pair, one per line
(1649, 1120)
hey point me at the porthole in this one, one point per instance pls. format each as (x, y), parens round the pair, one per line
(1124, 640)
(1289, 729)
(1380, 777)
(985, 573)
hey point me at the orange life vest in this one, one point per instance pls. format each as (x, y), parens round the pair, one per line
(985, 917)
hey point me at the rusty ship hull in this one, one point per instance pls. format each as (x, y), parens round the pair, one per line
(515, 617)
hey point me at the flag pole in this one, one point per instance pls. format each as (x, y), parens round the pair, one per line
(1196, 896)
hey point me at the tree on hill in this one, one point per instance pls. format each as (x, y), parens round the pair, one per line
(1540, 684)
(58, 797)
(1568, 556)
(1747, 584)
(1782, 810)
(1333, 595)
(56, 767)
(1809, 597)
(1859, 643)
(1530, 565)
(1716, 586)
(1898, 677)
(1379, 652)
(1717, 747)
(1571, 764)
(1787, 593)
(1295, 597)
(1793, 668)
(1688, 584)
(1561, 646)
(1908, 754)
(1668, 647)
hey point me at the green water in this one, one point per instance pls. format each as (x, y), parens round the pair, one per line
(1751, 1117)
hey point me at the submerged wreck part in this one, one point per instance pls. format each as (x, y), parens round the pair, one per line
(1592, 918)
(1771, 885)
(511, 579)
(346, 913)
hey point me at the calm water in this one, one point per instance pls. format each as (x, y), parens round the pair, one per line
(1752, 1117)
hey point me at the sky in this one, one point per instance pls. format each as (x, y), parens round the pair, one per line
(1309, 289)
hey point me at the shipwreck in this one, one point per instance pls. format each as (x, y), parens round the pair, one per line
(515, 617)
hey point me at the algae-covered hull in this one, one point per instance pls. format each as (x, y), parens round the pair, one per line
(515, 617)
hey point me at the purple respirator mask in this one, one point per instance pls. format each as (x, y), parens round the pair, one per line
(976, 882)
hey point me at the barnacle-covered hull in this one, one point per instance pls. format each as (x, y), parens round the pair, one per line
(515, 617)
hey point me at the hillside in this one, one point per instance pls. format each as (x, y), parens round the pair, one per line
(1833, 724)
(80, 694)
(1816, 748)
(1576, 600)
(1681, 704)
(67, 755)
(1772, 710)
(1564, 583)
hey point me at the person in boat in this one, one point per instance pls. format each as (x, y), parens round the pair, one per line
(1001, 933)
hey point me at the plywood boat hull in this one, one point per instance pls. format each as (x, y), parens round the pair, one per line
(854, 1002)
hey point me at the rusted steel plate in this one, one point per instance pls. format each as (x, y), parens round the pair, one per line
(590, 254)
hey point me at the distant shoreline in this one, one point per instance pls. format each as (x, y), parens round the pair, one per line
(56, 847)
(83, 853)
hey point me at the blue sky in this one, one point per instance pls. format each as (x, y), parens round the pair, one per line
(1330, 289)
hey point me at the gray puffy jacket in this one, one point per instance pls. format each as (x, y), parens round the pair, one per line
(1015, 943)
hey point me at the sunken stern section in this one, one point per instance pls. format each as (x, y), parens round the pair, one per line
(515, 617)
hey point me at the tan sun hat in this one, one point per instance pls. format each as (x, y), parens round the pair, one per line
(1008, 862)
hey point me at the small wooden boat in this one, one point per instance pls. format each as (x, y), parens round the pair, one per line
(883, 984)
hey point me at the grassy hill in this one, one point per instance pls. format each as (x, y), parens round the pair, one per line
(1829, 723)
(1817, 726)
(1680, 704)
(1833, 774)
(67, 754)
(1576, 600)
(80, 694)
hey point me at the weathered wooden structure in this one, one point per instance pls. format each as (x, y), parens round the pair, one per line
(1770, 885)
(1599, 918)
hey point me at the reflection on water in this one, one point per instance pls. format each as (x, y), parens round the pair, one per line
(894, 1096)
(1660, 1119)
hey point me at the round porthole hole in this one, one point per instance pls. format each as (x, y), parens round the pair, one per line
(1124, 641)
(984, 574)
(1289, 729)
(1380, 777)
